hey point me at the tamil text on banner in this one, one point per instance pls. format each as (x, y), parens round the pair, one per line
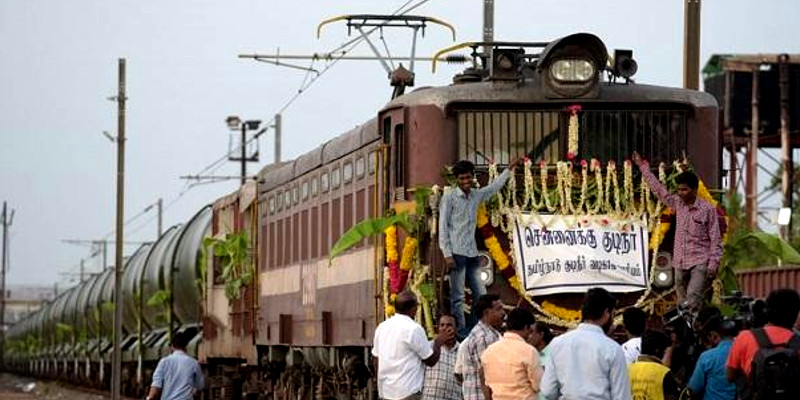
(555, 254)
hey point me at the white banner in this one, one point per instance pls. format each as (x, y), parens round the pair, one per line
(554, 257)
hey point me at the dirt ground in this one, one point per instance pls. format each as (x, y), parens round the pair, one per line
(15, 387)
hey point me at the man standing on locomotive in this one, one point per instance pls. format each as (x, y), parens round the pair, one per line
(698, 245)
(457, 217)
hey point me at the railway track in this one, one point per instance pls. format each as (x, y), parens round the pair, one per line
(16, 387)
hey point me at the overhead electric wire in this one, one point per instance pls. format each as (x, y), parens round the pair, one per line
(344, 48)
(307, 82)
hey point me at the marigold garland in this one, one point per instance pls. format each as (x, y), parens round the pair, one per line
(391, 257)
(561, 312)
(409, 252)
(496, 251)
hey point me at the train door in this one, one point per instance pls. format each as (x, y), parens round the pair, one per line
(394, 171)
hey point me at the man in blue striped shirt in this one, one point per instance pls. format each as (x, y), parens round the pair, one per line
(457, 216)
(177, 376)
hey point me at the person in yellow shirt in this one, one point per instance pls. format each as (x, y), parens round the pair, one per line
(511, 367)
(650, 379)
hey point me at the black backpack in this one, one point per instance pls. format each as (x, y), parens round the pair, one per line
(775, 373)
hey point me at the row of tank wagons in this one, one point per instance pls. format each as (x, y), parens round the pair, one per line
(159, 289)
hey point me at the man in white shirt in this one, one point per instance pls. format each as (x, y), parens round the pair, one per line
(635, 322)
(401, 350)
(585, 363)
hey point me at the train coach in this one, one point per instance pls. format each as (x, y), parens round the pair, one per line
(251, 274)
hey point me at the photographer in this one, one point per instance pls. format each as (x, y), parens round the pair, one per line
(708, 381)
(765, 362)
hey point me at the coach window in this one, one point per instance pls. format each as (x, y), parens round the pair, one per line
(287, 198)
(336, 178)
(360, 167)
(372, 161)
(271, 205)
(347, 169)
(296, 194)
(324, 183)
(304, 190)
(314, 186)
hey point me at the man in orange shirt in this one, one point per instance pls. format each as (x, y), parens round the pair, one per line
(511, 367)
(783, 305)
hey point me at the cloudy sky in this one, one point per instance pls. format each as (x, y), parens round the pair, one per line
(58, 65)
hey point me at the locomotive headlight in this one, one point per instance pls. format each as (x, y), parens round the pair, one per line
(572, 70)
(664, 274)
(486, 268)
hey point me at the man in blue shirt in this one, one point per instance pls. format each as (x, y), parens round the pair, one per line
(708, 381)
(177, 376)
(584, 363)
(457, 218)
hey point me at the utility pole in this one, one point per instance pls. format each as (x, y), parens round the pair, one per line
(787, 180)
(7, 220)
(244, 154)
(751, 195)
(488, 28)
(691, 44)
(117, 365)
(277, 126)
(104, 243)
(235, 124)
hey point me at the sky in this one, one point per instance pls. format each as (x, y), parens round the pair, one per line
(58, 66)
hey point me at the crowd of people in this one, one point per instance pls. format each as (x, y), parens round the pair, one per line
(512, 356)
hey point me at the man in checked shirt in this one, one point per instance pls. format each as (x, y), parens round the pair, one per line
(698, 245)
(440, 380)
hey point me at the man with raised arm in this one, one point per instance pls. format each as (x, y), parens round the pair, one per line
(457, 217)
(698, 244)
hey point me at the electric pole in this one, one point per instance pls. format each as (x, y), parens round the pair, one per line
(244, 154)
(7, 220)
(277, 126)
(787, 161)
(488, 28)
(691, 44)
(116, 365)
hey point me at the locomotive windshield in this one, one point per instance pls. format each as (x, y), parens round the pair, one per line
(660, 135)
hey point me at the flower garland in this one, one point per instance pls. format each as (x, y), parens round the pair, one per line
(390, 234)
(572, 132)
(584, 188)
(628, 191)
(425, 317)
(409, 252)
(496, 251)
(391, 257)
(564, 174)
(562, 313)
(530, 201)
(623, 210)
(388, 301)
